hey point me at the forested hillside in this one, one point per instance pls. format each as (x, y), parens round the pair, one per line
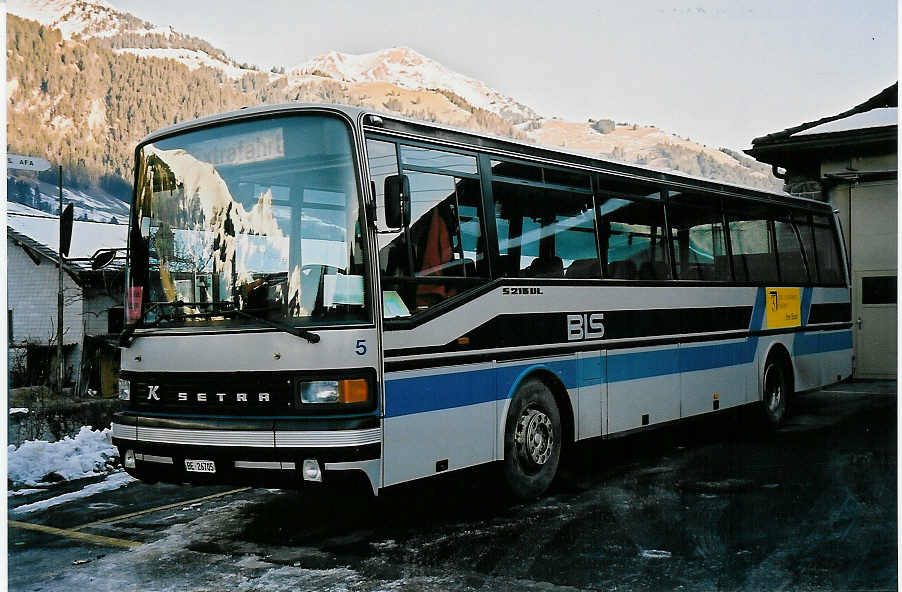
(84, 102)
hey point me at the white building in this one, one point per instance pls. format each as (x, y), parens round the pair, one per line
(92, 312)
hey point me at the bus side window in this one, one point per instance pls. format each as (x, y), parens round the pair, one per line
(789, 249)
(545, 233)
(802, 222)
(699, 244)
(632, 239)
(829, 261)
(442, 252)
(751, 238)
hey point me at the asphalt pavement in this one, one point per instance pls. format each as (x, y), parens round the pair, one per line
(712, 504)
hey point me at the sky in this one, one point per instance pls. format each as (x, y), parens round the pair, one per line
(721, 72)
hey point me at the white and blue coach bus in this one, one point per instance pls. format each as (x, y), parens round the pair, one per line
(317, 292)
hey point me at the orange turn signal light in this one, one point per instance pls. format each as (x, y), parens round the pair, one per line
(355, 390)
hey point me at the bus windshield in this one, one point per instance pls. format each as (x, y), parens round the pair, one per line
(259, 217)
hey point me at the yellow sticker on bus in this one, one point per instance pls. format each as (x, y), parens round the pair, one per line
(784, 307)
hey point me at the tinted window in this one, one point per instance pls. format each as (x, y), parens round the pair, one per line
(516, 170)
(789, 251)
(699, 244)
(545, 232)
(829, 261)
(568, 178)
(754, 259)
(631, 238)
(803, 225)
(438, 159)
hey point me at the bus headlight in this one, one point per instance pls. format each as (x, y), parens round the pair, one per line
(125, 389)
(354, 390)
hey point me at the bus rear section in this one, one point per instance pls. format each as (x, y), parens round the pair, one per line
(251, 355)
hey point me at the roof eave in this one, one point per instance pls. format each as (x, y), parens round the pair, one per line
(793, 147)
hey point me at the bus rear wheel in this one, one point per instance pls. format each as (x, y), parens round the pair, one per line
(775, 391)
(532, 440)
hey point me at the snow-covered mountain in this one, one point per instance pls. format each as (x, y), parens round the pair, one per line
(396, 80)
(95, 205)
(79, 17)
(125, 32)
(406, 68)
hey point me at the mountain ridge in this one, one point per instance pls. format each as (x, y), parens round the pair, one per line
(85, 93)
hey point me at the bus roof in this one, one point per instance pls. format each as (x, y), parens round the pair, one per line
(398, 125)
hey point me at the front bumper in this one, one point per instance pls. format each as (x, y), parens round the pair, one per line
(257, 451)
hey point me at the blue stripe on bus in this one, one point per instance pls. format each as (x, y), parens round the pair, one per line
(806, 304)
(643, 364)
(817, 343)
(419, 394)
(758, 312)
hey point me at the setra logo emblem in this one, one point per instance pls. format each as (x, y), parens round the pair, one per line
(184, 397)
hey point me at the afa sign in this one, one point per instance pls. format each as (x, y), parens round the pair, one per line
(26, 163)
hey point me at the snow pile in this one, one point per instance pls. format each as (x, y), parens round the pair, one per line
(87, 454)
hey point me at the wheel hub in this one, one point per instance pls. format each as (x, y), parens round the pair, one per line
(535, 437)
(773, 390)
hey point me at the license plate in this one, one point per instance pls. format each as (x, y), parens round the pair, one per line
(200, 466)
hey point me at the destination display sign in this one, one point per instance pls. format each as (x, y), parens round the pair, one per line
(241, 149)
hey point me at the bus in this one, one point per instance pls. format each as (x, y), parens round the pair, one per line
(324, 294)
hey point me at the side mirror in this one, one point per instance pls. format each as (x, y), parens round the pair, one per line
(66, 230)
(397, 201)
(102, 258)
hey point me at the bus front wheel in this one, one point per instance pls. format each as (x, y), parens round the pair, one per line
(532, 440)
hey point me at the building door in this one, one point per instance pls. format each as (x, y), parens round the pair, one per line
(874, 271)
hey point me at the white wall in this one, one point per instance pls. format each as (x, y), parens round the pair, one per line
(96, 307)
(31, 295)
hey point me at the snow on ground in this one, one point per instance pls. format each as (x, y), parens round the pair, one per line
(114, 481)
(19, 492)
(173, 563)
(84, 455)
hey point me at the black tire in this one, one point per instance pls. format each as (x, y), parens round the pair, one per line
(775, 391)
(532, 440)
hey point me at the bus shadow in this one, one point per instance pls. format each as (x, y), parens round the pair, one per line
(349, 520)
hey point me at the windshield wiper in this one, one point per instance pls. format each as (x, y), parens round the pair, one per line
(125, 337)
(296, 331)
